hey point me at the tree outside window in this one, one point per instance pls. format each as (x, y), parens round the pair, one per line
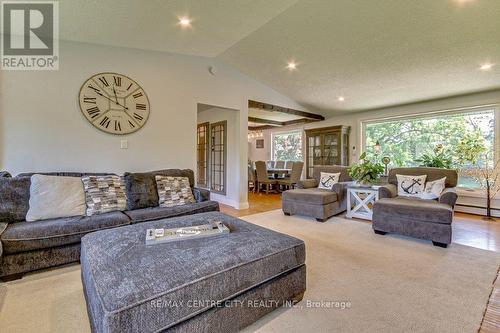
(287, 146)
(405, 141)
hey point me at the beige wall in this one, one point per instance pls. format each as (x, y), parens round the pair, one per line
(42, 128)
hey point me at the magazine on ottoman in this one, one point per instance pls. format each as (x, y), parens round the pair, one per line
(157, 236)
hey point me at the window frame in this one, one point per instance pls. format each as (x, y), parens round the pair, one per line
(298, 131)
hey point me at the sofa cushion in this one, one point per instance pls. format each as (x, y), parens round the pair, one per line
(104, 194)
(26, 236)
(141, 190)
(155, 213)
(174, 191)
(315, 196)
(55, 196)
(14, 199)
(141, 187)
(413, 209)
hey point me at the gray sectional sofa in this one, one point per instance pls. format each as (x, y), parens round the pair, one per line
(28, 246)
(307, 199)
(415, 217)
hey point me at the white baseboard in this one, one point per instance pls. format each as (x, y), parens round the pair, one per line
(228, 201)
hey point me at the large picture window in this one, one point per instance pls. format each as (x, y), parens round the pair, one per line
(287, 146)
(406, 140)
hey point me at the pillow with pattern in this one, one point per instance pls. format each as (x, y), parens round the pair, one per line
(327, 180)
(104, 194)
(411, 186)
(174, 191)
(434, 189)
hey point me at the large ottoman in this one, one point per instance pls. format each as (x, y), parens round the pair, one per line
(216, 284)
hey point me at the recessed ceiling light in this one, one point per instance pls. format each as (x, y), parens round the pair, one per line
(341, 98)
(292, 65)
(185, 22)
(486, 67)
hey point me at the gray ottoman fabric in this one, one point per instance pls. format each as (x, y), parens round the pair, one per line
(315, 196)
(131, 287)
(413, 209)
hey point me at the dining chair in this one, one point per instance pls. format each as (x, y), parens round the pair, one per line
(288, 164)
(279, 165)
(252, 178)
(294, 176)
(262, 177)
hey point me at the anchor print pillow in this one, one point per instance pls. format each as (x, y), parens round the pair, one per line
(411, 186)
(327, 180)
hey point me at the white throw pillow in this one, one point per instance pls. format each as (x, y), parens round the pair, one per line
(55, 196)
(411, 186)
(327, 180)
(433, 189)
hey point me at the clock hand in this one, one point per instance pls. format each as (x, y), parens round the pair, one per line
(123, 106)
(116, 97)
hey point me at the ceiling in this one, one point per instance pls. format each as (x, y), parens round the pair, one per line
(276, 116)
(373, 53)
(153, 24)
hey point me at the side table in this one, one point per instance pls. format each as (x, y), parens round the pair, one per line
(360, 201)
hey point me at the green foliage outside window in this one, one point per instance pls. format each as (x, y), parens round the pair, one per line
(413, 142)
(287, 146)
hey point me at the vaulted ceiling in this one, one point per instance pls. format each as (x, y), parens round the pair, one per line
(372, 53)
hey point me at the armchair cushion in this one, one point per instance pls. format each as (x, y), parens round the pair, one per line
(307, 183)
(449, 196)
(387, 191)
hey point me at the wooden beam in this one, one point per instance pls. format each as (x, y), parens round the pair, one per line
(260, 128)
(275, 108)
(265, 121)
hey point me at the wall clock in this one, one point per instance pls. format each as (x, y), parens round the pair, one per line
(114, 103)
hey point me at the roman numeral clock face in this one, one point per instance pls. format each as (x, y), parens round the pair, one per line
(114, 103)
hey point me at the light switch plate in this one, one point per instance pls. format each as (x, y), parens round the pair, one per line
(124, 144)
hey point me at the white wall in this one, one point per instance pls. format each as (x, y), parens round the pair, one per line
(42, 128)
(232, 117)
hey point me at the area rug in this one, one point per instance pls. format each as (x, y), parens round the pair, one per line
(357, 282)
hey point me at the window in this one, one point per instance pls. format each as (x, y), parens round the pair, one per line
(405, 140)
(287, 146)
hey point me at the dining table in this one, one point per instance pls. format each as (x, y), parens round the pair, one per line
(277, 172)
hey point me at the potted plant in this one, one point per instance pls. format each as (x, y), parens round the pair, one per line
(366, 172)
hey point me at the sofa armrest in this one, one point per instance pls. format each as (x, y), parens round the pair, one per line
(201, 194)
(3, 226)
(449, 196)
(387, 191)
(307, 183)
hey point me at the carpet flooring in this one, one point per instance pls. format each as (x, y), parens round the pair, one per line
(357, 282)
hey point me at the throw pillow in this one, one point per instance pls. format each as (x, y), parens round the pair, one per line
(174, 191)
(53, 197)
(14, 198)
(411, 186)
(104, 194)
(141, 190)
(327, 180)
(433, 189)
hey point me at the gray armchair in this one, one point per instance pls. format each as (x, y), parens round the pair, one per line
(307, 199)
(419, 218)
